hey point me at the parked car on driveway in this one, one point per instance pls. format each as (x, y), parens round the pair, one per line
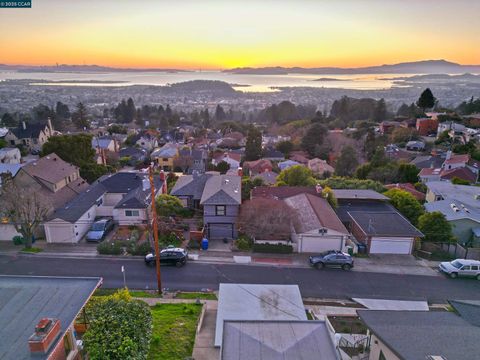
(461, 267)
(332, 258)
(169, 256)
(100, 229)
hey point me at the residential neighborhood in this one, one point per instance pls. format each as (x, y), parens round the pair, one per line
(239, 180)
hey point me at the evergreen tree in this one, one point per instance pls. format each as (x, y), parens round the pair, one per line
(347, 162)
(426, 100)
(206, 118)
(380, 112)
(435, 227)
(80, 117)
(403, 110)
(253, 148)
(220, 114)
(130, 111)
(313, 137)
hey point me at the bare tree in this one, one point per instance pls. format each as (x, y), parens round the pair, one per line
(267, 219)
(25, 208)
(184, 162)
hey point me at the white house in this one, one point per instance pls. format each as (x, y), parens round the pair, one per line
(10, 156)
(124, 196)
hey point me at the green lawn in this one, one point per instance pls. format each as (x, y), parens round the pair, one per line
(174, 327)
(33, 250)
(196, 295)
(133, 293)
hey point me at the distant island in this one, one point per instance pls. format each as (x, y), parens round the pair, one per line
(329, 79)
(415, 67)
(82, 69)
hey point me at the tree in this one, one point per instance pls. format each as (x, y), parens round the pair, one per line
(329, 195)
(222, 167)
(168, 205)
(401, 134)
(25, 208)
(285, 147)
(407, 173)
(75, 149)
(314, 136)
(370, 143)
(426, 100)
(380, 112)
(297, 175)
(248, 184)
(220, 114)
(266, 219)
(406, 204)
(347, 162)
(337, 182)
(253, 147)
(435, 227)
(130, 111)
(91, 171)
(183, 162)
(403, 110)
(119, 328)
(80, 117)
(8, 120)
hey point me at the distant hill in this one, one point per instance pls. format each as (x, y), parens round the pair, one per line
(415, 67)
(81, 68)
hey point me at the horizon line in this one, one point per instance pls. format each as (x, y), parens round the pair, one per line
(228, 68)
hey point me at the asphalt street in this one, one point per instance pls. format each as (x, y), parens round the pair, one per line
(330, 283)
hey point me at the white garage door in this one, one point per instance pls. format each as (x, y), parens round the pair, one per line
(391, 245)
(316, 244)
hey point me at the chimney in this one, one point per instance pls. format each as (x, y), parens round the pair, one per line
(46, 332)
(49, 122)
(449, 155)
(24, 125)
(318, 188)
(164, 182)
(240, 171)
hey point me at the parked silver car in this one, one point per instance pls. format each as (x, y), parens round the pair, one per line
(461, 267)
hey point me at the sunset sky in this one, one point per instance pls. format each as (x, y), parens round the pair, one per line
(219, 34)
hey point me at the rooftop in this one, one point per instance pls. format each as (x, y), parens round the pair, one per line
(415, 335)
(259, 302)
(24, 300)
(50, 168)
(276, 340)
(384, 223)
(222, 189)
(281, 192)
(353, 194)
(315, 213)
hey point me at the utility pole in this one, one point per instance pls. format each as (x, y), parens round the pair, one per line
(155, 230)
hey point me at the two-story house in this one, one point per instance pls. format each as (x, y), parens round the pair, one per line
(123, 196)
(55, 180)
(220, 197)
(192, 160)
(31, 136)
(164, 157)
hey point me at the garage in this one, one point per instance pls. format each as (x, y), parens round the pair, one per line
(220, 231)
(317, 244)
(384, 245)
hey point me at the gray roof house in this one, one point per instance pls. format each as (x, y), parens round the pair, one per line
(220, 197)
(124, 196)
(26, 300)
(420, 335)
(461, 206)
(277, 340)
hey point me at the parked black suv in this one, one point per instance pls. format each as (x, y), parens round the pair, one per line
(168, 256)
(331, 258)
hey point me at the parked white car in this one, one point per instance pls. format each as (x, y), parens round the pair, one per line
(461, 267)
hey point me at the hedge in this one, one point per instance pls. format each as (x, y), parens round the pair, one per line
(110, 248)
(272, 248)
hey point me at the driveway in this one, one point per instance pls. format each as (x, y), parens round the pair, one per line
(395, 264)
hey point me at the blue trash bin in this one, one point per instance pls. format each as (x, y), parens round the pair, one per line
(204, 244)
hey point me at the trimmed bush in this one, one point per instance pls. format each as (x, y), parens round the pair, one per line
(273, 248)
(244, 243)
(18, 240)
(108, 248)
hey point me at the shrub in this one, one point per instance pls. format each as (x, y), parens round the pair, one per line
(134, 235)
(109, 248)
(142, 249)
(18, 240)
(273, 248)
(120, 328)
(244, 243)
(165, 240)
(168, 205)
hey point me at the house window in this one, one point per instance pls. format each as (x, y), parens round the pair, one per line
(164, 159)
(220, 210)
(132, 213)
